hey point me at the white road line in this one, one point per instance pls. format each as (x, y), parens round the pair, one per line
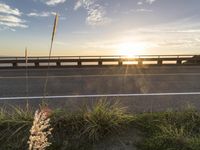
(110, 75)
(106, 68)
(100, 68)
(100, 95)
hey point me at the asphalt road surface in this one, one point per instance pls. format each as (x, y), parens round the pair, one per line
(140, 89)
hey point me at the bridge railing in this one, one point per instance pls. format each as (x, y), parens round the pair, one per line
(79, 61)
(96, 57)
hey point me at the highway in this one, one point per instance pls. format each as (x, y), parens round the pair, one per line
(139, 88)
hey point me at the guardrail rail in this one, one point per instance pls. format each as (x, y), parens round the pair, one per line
(82, 61)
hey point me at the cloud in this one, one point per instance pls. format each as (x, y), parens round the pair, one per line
(150, 1)
(87, 4)
(144, 10)
(45, 14)
(188, 31)
(10, 18)
(53, 2)
(177, 36)
(78, 5)
(11, 24)
(12, 21)
(40, 14)
(6, 9)
(139, 10)
(96, 16)
(6, 28)
(61, 43)
(139, 3)
(96, 13)
(187, 42)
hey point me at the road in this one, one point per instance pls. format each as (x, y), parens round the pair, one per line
(141, 89)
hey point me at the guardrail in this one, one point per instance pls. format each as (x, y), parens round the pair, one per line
(81, 61)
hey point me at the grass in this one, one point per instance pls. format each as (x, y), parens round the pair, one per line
(14, 127)
(91, 125)
(170, 130)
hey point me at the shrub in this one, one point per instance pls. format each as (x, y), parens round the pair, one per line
(14, 128)
(170, 130)
(90, 124)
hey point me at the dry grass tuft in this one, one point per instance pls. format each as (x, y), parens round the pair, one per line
(40, 131)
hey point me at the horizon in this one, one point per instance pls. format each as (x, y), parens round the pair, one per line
(100, 27)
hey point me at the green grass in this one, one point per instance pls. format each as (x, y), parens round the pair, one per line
(14, 127)
(90, 125)
(170, 130)
(81, 130)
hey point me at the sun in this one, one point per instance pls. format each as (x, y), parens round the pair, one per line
(131, 49)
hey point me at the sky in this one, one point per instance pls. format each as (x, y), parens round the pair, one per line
(100, 27)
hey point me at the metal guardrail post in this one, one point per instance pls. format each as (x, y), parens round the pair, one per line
(120, 62)
(37, 64)
(100, 63)
(179, 62)
(14, 64)
(160, 61)
(58, 63)
(140, 62)
(79, 62)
